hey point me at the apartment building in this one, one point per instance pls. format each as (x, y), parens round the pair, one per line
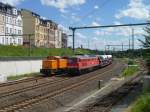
(64, 40)
(58, 38)
(43, 30)
(10, 25)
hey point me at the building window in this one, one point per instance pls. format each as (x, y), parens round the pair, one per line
(9, 11)
(6, 19)
(15, 31)
(19, 41)
(14, 21)
(7, 41)
(10, 30)
(3, 40)
(11, 41)
(14, 11)
(19, 32)
(3, 30)
(19, 23)
(3, 18)
(10, 21)
(7, 30)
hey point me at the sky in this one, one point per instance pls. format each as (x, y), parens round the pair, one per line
(92, 12)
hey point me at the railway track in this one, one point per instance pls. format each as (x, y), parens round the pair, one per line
(42, 97)
(25, 83)
(21, 90)
(20, 81)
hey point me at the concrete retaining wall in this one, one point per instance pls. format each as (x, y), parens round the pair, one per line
(18, 67)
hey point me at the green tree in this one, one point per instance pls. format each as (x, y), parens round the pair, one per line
(146, 45)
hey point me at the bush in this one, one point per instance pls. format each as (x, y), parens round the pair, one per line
(148, 64)
(130, 62)
(142, 104)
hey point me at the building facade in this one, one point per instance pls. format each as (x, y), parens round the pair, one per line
(64, 40)
(58, 38)
(43, 30)
(11, 25)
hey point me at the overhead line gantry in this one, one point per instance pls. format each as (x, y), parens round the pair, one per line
(103, 26)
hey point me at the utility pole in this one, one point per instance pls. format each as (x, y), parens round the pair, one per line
(29, 45)
(108, 49)
(122, 46)
(104, 26)
(129, 43)
(133, 39)
(73, 38)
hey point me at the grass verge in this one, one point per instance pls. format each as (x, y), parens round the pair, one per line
(130, 70)
(133, 67)
(17, 77)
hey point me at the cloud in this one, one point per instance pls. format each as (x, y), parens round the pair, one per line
(80, 35)
(94, 23)
(63, 11)
(43, 17)
(75, 18)
(119, 31)
(64, 28)
(62, 4)
(136, 9)
(116, 36)
(96, 7)
(12, 2)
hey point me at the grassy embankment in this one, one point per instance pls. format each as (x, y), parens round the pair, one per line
(12, 78)
(20, 51)
(143, 103)
(6, 51)
(132, 68)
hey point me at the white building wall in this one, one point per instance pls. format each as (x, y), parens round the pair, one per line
(2, 29)
(60, 38)
(13, 26)
(58, 34)
(56, 39)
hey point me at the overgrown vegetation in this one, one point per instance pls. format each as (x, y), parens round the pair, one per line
(146, 45)
(131, 69)
(16, 77)
(143, 103)
(6, 51)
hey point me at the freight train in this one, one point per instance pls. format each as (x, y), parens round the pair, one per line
(74, 65)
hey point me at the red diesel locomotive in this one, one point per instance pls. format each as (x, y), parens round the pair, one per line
(79, 64)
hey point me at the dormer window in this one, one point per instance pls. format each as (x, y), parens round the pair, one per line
(15, 11)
